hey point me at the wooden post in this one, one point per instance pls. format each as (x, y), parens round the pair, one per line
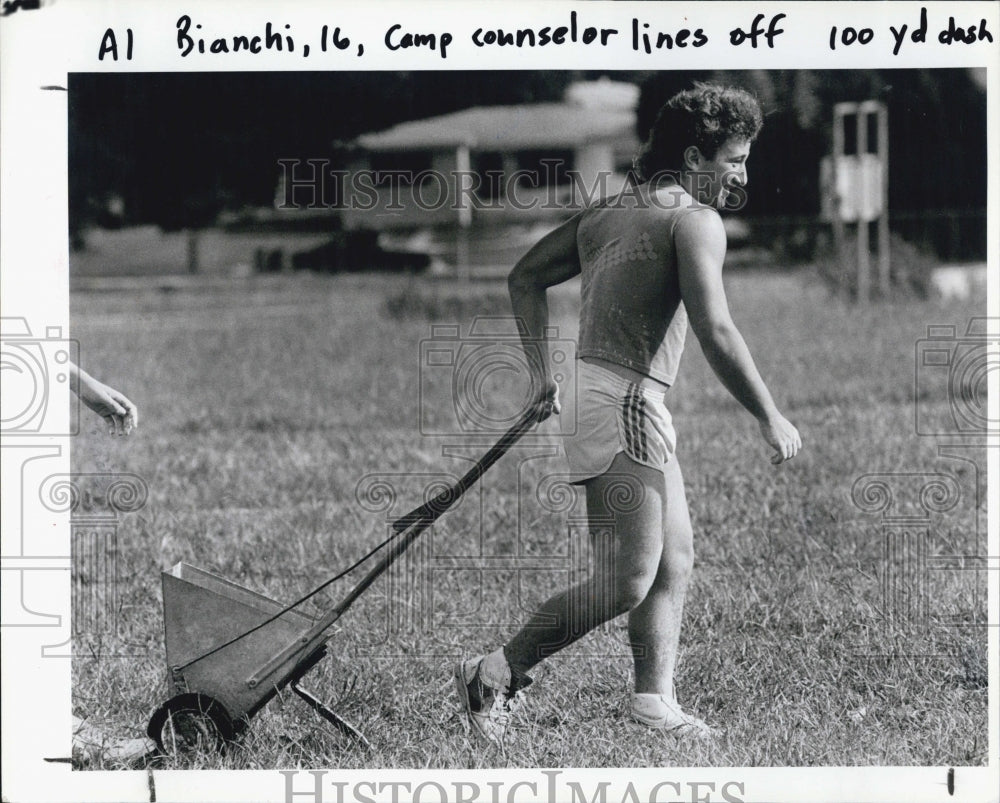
(193, 235)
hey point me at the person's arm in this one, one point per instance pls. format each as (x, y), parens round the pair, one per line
(552, 260)
(701, 248)
(120, 413)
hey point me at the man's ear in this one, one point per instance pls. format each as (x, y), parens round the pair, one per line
(692, 157)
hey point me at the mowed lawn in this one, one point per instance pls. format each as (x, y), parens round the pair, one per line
(273, 410)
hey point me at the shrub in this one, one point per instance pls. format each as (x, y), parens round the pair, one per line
(910, 269)
(445, 303)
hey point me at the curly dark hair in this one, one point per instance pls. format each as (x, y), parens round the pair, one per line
(706, 116)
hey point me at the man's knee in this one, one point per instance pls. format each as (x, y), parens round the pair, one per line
(677, 564)
(631, 589)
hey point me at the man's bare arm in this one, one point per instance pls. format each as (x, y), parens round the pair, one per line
(701, 248)
(552, 260)
(114, 407)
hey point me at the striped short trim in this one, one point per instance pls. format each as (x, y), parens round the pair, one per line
(633, 415)
(615, 415)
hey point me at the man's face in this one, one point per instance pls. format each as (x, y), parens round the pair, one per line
(716, 177)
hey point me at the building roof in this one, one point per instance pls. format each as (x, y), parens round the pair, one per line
(505, 128)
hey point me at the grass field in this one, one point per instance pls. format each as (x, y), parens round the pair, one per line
(264, 405)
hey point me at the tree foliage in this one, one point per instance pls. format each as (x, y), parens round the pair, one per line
(937, 132)
(178, 147)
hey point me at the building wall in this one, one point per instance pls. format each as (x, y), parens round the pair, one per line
(594, 159)
(401, 204)
(433, 201)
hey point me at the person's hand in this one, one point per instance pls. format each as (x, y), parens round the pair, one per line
(119, 413)
(548, 401)
(782, 436)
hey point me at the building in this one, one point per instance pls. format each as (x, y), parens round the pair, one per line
(494, 165)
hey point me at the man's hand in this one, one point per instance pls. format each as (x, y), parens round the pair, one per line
(548, 401)
(120, 414)
(782, 436)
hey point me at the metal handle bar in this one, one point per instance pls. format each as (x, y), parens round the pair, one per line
(409, 526)
(419, 519)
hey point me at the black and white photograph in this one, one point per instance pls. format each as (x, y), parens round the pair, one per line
(500, 432)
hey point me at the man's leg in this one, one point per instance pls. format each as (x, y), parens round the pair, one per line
(625, 513)
(654, 626)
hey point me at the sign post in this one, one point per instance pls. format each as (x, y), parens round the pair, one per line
(855, 189)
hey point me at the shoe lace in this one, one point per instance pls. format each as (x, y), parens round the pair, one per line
(693, 722)
(504, 706)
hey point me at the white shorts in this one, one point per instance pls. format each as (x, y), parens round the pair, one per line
(615, 415)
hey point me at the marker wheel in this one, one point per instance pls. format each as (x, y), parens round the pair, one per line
(191, 724)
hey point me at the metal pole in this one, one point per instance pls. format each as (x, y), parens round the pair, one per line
(838, 221)
(883, 220)
(463, 164)
(409, 527)
(864, 267)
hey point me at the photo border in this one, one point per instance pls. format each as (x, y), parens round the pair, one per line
(40, 47)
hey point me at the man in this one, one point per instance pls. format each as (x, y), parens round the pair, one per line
(651, 261)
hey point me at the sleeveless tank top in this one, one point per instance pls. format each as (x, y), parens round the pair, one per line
(631, 310)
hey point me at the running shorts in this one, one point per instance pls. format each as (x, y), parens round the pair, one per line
(615, 415)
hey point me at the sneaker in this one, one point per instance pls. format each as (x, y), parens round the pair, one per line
(662, 712)
(92, 746)
(488, 707)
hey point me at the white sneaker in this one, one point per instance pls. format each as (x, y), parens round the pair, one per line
(488, 706)
(662, 712)
(92, 746)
